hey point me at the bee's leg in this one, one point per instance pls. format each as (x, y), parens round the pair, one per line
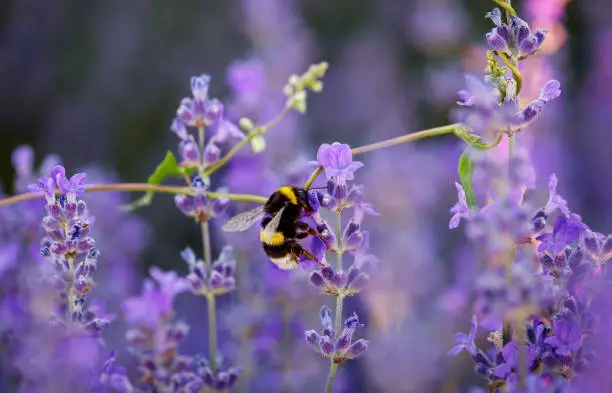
(299, 251)
(305, 228)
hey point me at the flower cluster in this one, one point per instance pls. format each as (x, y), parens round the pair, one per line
(337, 348)
(537, 315)
(483, 114)
(199, 206)
(340, 284)
(221, 279)
(542, 265)
(202, 112)
(154, 339)
(515, 39)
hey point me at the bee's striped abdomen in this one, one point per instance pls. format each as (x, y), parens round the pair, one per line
(271, 238)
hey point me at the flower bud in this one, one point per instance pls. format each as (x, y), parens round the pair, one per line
(317, 279)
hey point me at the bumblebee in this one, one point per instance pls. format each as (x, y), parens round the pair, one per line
(280, 228)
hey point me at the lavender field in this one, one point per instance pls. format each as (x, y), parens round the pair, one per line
(298, 196)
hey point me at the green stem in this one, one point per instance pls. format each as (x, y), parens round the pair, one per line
(206, 244)
(332, 376)
(506, 6)
(210, 301)
(313, 177)
(201, 141)
(516, 74)
(255, 132)
(448, 129)
(496, 142)
(212, 333)
(339, 300)
(145, 187)
(71, 292)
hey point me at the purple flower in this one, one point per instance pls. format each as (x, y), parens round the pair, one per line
(510, 354)
(361, 208)
(514, 40)
(466, 341)
(338, 348)
(566, 231)
(483, 114)
(567, 336)
(58, 180)
(337, 160)
(199, 111)
(460, 209)
(154, 303)
(555, 201)
(549, 92)
(199, 206)
(246, 78)
(75, 185)
(22, 159)
(178, 127)
(115, 376)
(225, 130)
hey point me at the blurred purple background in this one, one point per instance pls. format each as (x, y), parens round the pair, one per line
(98, 84)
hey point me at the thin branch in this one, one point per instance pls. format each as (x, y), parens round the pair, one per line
(144, 187)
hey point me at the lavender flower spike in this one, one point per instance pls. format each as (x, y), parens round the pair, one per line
(466, 341)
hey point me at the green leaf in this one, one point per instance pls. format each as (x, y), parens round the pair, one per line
(465, 170)
(168, 167)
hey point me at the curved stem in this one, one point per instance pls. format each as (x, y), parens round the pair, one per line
(505, 6)
(313, 177)
(210, 301)
(515, 72)
(448, 129)
(496, 142)
(142, 187)
(256, 131)
(339, 301)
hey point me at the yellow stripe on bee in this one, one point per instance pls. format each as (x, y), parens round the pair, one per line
(271, 238)
(289, 194)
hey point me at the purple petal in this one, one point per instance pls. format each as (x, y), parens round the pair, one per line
(178, 127)
(495, 16)
(23, 159)
(466, 98)
(496, 42)
(550, 91)
(528, 45)
(199, 87)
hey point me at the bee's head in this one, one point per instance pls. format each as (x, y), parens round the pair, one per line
(302, 198)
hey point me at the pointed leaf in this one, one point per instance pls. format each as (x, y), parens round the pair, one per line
(465, 170)
(168, 167)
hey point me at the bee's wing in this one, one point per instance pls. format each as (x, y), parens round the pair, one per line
(272, 226)
(243, 221)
